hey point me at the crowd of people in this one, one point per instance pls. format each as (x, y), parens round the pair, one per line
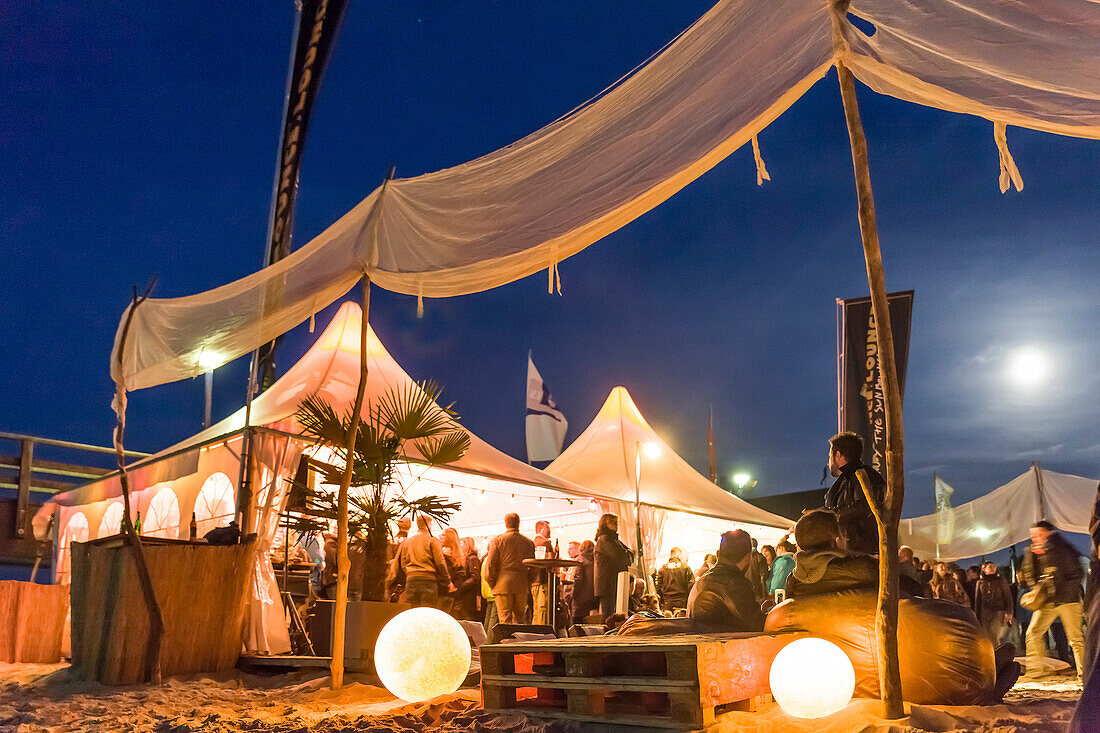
(830, 550)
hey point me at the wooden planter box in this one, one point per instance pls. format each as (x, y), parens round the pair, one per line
(202, 591)
(364, 622)
(32, 620)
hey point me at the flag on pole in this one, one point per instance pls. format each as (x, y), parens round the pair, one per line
(945, 525)
(546, 424)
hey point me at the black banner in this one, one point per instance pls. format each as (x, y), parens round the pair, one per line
(860, 404)
(318, 24)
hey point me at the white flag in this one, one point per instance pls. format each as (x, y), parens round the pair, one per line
(945, 525)
(545, 422)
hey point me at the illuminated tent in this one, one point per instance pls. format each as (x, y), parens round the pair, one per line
(619, 454)
(199, 474)
(1003, 517)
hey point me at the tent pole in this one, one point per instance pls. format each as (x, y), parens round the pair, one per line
(343, 562)
(1039, 485)
(155, 641)
(888, 514)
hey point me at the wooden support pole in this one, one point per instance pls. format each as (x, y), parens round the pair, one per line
(343, 561)
(23, 499)
(155, 641)
(888, 513)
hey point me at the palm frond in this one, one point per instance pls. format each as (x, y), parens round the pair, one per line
(320, 422)
(411, 412)
(432, 506)
(442, 449)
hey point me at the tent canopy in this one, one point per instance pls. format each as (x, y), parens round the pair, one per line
(1003, 517)
(527, 206)
(605, 456)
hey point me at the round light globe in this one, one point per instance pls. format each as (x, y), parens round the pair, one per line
(812, 678)
(422, 653)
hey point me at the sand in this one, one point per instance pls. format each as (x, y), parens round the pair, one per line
(41, 698)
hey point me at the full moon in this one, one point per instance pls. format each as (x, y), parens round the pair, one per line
(1028, 367)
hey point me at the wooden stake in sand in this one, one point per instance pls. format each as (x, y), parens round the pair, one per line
(131, 537)
(888, 514)
(343, 562)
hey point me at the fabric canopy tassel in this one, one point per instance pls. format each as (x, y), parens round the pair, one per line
(312, 321)
(553, 277)
(1009, 171)
(761, 171)
(420, 303)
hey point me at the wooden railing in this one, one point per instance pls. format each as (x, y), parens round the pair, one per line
(23, 471)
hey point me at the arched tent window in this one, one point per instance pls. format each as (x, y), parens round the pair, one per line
(215, 505)
(76, 530)
(163, 518)
(112, 520)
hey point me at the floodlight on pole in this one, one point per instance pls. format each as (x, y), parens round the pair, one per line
(741, 479)
(209, 360)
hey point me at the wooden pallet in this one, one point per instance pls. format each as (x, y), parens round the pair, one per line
(674, 682)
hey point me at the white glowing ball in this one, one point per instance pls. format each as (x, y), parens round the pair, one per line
(422, 653)
(812, 678)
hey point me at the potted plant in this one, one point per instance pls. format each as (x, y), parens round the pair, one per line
(405, 426)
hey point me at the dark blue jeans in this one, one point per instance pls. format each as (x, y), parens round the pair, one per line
(422, 592)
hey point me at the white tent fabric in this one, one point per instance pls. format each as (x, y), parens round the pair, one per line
(1003, 516)
(530, 205)
(673, 495)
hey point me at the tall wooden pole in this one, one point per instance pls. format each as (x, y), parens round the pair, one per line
(153, 645)
(888, 513)
(343, 561)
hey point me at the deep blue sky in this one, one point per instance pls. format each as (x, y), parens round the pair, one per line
(141, 138)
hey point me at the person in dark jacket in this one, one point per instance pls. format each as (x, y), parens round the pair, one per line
(722, 599)
(584, 593)
(468, 582)
(846, 496)
(822, 565)
(758, 573)
(674, 581)
(1053, 561)
(993, 602)
(610, 558)
(1088, 706)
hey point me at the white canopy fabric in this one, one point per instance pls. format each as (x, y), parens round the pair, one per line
(528, 206)
(1003, 517)
(603, 458)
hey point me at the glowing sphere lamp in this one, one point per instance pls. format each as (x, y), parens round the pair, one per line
(812, 678)
(422, 653)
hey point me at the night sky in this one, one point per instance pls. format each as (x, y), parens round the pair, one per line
(140, 138)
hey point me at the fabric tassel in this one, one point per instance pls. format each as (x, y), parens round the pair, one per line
(312, 321)
(420, 303)
(1009, 171)
(550, 277)
(557, 277)
(761, 171)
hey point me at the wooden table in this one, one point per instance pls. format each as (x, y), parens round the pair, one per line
(552, 565)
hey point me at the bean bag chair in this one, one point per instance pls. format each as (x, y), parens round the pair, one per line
(945, 657)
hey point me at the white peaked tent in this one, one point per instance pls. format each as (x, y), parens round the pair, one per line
(198, 474)
(1003, 517)
(679, 507)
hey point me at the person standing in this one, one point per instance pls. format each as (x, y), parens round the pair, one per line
(540, 588)
(758, 572)
(508, 577)
(610, 558)
(674, 581)
(423, 565)
(947, 587)
(1055, 564)
(584, 591)
(468, 587)
(993, 602)
(846, 496)
(709, 561)
(781, 568)
(456, 567)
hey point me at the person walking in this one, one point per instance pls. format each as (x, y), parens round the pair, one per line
(610, 558)
(540, 593)
(1054, 565)
(846, 496)
(421, 562)
(947, 587)
(993, 602)
(507, 575)
(674, 581)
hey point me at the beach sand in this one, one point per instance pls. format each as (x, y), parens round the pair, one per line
(41, 698)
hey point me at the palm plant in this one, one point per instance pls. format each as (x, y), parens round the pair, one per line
(406, 425)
